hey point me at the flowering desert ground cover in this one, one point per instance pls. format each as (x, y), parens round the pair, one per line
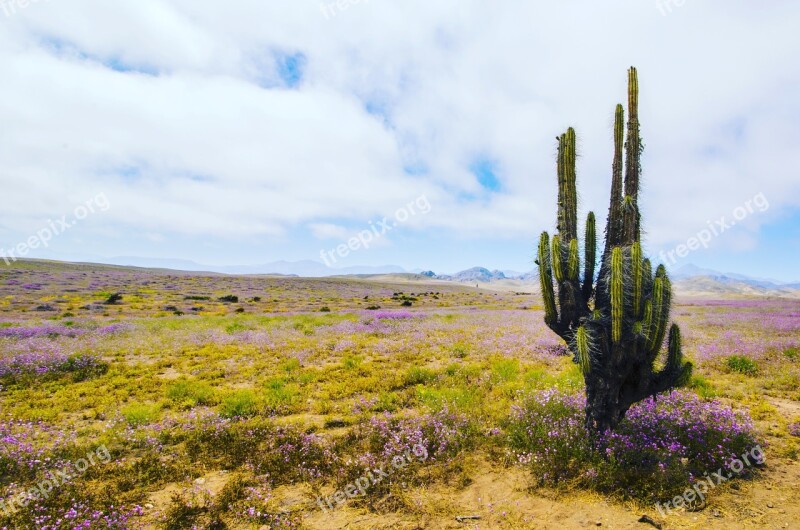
(137, 398)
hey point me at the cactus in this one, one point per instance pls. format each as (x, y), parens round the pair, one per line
(615, 326)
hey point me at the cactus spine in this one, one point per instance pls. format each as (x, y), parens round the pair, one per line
(614, 325)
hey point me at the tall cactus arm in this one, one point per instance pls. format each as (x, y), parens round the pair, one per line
(558, 259)
(567, 191)
(573, 261)
(636, 278)
(560, 171)
(662, 300)
(666, 307)
(647, 278)
(676, 371)
(583, 349)
(614, 221)
(633, 168)
(647, 319)
(617, 292)
(546, 281)
(656, 319)
(674, 354)
(590, 256)
(570, 192)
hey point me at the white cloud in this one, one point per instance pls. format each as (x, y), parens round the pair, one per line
(202, 149)
(328, 231)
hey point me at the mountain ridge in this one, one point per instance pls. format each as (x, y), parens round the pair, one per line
(479, 274)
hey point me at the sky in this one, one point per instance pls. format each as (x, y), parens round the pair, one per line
(247, 132)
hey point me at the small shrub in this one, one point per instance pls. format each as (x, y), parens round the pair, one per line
(373, 307)
(741, 365)
(229, 299)
(324, 309)
(794, 429)
(792, 353)
(460, 350)
(137, 414)
(24, 368)
(281, 397)
(190, 393)
(84, 366)
(235, 327)
(460, 398)
(352, 362)
(387, 402)
(417, 375)
(702, 386)
(290, 365)
(336, 423)
(185, 509)
(239, 404)
(113, 299)
(287, 455)
(407, 303)
(422, 441)
(505, 370)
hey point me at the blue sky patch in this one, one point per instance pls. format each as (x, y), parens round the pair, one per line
(485, 170)
(290, 68)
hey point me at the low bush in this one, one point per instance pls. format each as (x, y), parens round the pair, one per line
(190, 393)
(417, 375)
(239, 404)
(25, 367)
(656, 452)
(137, 414)
(741, 365)
(285, 454)
(229, 299)
(404, 447)
(281, 397)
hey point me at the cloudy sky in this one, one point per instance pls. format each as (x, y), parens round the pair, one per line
(252, 131)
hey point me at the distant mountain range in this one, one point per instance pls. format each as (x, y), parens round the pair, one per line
(691, 271)
(685, 272)
(305, 268)
(688, 277)
(475, 274)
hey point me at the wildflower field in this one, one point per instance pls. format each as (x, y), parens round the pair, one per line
(279, 402)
